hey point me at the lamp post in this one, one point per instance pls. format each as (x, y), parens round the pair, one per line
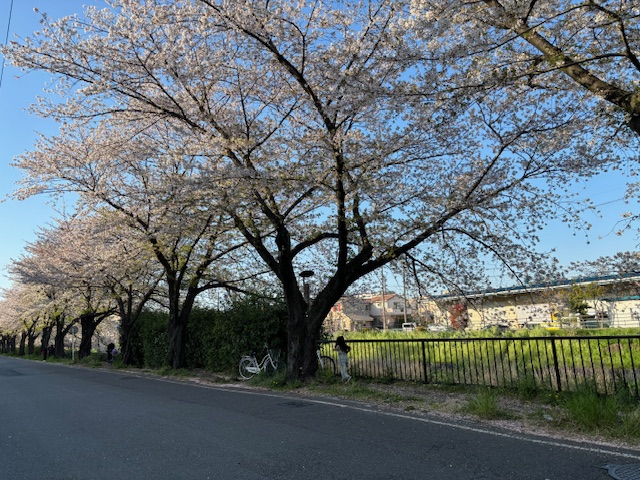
(305, 286)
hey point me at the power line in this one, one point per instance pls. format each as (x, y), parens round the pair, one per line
(6, 39)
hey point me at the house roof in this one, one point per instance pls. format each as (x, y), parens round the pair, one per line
(379, 298)
(357, 317)
(558, 284)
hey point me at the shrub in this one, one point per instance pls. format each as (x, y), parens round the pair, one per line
(630, 423)
(246, 326)
(153, 340)
(485, 404)
(590, 411)
(527, 387)
(214, 339)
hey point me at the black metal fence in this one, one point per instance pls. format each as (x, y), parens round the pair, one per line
(607, 363)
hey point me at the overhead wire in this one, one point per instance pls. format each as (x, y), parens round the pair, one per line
(6, 39)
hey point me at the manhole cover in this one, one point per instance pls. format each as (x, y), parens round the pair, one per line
(624, 472)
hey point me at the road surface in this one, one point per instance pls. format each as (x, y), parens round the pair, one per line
(61, 422)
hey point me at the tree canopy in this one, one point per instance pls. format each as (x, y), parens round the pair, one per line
(331, 136)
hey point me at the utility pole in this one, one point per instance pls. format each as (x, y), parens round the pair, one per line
(384, 307)
(404, 291)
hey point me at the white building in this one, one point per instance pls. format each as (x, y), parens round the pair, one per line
(615, 303)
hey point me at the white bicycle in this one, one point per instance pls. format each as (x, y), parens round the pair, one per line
(249, 365)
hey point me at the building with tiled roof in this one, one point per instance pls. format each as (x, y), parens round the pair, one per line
(367, 312)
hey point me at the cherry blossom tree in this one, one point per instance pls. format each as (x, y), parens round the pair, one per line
(27, 311)
(621, 264)
(585, 50)
(13, 321)
(118, 267)
(28, 305)
(64, 260)
(143, 180)
(328, 135)
(560, 45)
(131, 276)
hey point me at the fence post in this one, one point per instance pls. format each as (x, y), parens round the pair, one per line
(555, 363)
(424, 362)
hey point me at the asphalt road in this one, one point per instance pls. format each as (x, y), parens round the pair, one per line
(66, 423)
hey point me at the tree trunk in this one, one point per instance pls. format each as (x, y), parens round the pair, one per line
(318, 310)
(31, 343)
(61, 332)
(46, 338)
(296, 326)
(128, 317)
(296, 333)
(23, 342)
(177, 356)
(87, 329)
(177, 329)
(125, 341)
(58, 342)
(311, 345)
(126, 325)
(88, 326)
(304, 325)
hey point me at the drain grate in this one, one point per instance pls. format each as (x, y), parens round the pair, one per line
(624, 472)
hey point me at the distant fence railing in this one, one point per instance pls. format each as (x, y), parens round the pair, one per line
(608, 363)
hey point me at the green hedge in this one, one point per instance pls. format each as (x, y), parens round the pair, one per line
(215, 339)
(149, 340)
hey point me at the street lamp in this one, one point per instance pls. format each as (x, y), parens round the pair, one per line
(305, 286)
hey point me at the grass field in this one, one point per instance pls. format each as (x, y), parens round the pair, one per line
(562, 360)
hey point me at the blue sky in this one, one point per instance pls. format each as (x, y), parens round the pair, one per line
(20, 219)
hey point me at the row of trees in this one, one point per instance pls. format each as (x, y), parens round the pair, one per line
(236, 144)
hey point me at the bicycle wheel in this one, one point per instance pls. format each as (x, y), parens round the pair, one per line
(271, 361)
(327, 366)
(247, 368)
(270, 366)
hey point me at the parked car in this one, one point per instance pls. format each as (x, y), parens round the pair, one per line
(434, 327)
(409, 326)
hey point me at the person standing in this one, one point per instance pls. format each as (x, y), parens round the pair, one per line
(343, 357)
(110, 348)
